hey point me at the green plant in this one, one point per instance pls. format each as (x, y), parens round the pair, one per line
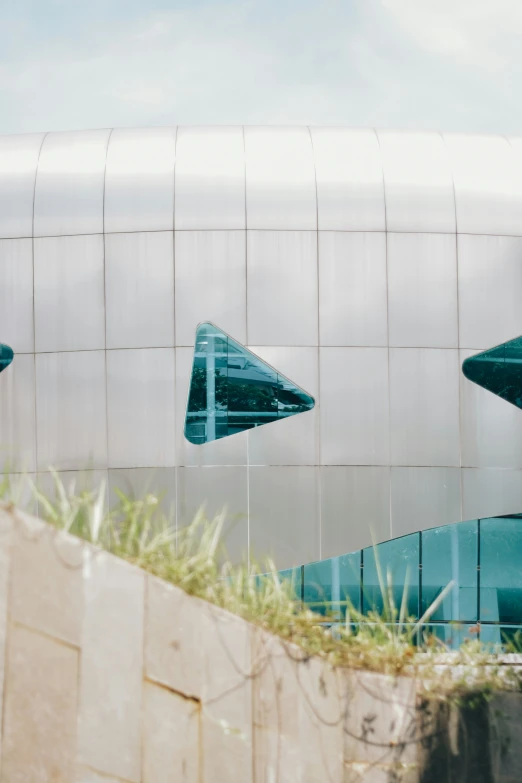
(194, 559)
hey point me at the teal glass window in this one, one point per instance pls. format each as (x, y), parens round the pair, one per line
(499, 370)
(232, 390)
(294, 577)
(500, 570)
(482, 557)
(500, 634)
(329, 585)
(398, 560)
(453, 635)
(451, 553)
(6, 356)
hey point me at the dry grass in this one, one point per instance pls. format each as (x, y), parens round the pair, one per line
(194, 559)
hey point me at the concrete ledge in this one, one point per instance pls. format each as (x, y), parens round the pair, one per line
(108, 675)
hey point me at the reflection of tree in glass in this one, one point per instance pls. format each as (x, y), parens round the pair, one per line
(198, 390)
(251, 397)
(234, 395)
(291, 400)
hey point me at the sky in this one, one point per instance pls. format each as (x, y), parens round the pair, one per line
(452, 65)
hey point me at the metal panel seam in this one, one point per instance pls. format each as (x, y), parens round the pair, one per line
(317, 415)
(246, 343)
(387, 331)
(105, 310)
(174, 331)
(34, 314)
(458, 323)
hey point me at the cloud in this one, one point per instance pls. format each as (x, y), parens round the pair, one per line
(450, 64)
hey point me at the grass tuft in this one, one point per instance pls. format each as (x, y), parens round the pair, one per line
(194, 559)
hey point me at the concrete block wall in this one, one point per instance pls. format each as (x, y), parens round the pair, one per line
(108, 675)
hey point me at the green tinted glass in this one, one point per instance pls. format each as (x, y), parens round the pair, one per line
(500, 634)
(453, 635)
(6, 356)
(232, 390)
(399, 566)
(499, 370)
(451, 553)
(331, 585)
(500, 571)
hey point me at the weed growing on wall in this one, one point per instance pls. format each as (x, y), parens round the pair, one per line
(194, 559)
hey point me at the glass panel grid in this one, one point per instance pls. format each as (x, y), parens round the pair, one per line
(480, 559)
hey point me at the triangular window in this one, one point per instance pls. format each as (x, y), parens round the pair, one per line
(232, 390)
(499, 370)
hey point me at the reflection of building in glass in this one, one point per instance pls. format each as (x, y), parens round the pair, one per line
(481, 557)
(232, 390)
(364, 266)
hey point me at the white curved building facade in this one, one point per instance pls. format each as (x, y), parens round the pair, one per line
(363, 265)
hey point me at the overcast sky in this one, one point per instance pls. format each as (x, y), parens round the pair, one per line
(435, 64)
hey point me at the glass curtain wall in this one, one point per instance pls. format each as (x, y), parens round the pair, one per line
(481, 557)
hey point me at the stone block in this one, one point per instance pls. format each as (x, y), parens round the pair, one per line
(321, 721)
(171, 741)
(109, 726)
(226, 696)
(173, 650)
(505, 722)
(40, 709)
(6, 533)
(47, 580)
(373, 773)
(380, 719)
(277, 750)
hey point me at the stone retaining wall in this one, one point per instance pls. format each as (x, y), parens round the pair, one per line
(108, 675)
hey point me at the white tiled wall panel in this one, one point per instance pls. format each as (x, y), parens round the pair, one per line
(282, 288)
(490, 281)
(418, 182)
(16, 294)
(71, 419)
(422, 290)
(17, 416)
(139, 180)
(354, 406)
(355, 507)
(280, 179)
(210, 283)
(488, 492)
(424, 406)
(491, 429)
(353, 307)
(213, 491)
(350, 192)
(284, 513)
(139, 290)
(69, 293)
(365, 266)
(68, 197)
(18, 162)
(210, 179)
(424, 497)
(488, 184)
(140, 408)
